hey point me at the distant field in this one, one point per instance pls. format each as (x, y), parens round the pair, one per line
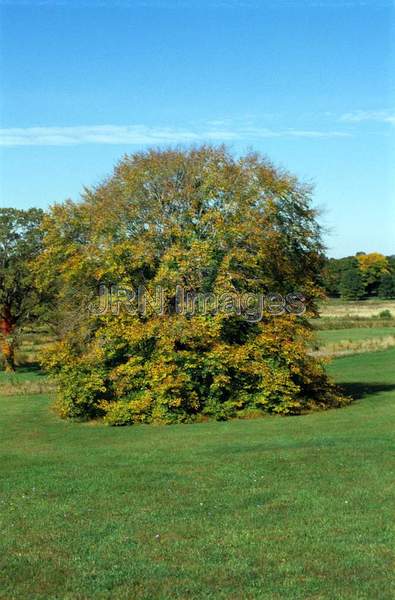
(362, 308)
(23, 374)
(31, 344)
(274, 508)
(354, 334)
(27, 380)
(337, 342)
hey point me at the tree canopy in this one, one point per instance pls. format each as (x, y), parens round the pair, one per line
(20, 243)
(360, 276)
(210, 224)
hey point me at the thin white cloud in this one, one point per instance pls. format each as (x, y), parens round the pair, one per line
(359, 116)
(142, 135)
(300, 133)
(318, 134)
(103, 134)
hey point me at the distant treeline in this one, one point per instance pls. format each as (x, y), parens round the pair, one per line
(360, 276)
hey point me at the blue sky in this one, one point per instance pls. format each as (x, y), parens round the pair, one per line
(310, 84)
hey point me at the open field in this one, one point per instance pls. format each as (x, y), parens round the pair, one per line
(272, 508)
(27, 380)
(354, 335)
(361, 308)
(32, 342)
(338, 342)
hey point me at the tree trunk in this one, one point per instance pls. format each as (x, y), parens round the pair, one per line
(7, 342)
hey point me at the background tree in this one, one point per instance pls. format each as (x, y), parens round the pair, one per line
(377, 273)
(212, 224)
(334, 272)
(331, 276)
(386, 288)
(373, 267)
(20, 242)
(352, 286)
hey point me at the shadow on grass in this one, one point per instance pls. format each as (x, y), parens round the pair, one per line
(30, 368)
(358, 390)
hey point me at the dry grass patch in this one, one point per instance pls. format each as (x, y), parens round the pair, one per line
(358, 308)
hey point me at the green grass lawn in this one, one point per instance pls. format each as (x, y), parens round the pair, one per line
(337, 342)
(24, 374)
(354, 334)
(275, 508)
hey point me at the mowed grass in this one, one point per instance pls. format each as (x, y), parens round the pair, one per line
(290, 508)
(23, 374)
(354, 340)
(332, 336)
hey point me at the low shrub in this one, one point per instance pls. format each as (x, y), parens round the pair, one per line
(385, 314)
(81, 380)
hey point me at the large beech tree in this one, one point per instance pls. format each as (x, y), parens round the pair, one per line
(213, 224)
(20, 243)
